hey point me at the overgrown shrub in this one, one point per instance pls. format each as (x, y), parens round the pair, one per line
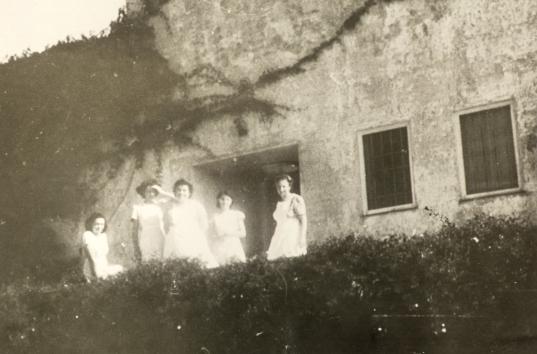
(319, 303)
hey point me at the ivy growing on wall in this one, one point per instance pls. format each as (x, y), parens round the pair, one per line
(100, 100)
(96, 99)
(105, 98)
(59, 108)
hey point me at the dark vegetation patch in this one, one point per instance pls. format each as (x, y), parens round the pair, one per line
(319, 303)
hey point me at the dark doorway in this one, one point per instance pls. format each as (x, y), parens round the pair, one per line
(250, 179)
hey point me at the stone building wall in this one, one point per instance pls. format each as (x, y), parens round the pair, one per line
(415, 61)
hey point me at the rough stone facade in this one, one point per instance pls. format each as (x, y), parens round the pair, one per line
(414, 61)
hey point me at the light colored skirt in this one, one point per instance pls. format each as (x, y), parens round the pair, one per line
(151, 244)
(286, 240)
(228, 250)
(192, 245)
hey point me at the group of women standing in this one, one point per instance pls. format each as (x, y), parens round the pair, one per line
(174, 225)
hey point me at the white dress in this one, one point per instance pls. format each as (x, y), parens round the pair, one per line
(286, 240)
(186, 238)
(97, 247)
(225, 243)
(149, 217)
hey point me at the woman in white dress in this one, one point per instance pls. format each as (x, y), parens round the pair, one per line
(96, 249)
(186, 224)
(289, 238)
(148, 223)
(227, 228)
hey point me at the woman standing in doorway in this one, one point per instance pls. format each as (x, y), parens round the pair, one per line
(148, 223)
(289, 238)
(227, 228)
(186, 223)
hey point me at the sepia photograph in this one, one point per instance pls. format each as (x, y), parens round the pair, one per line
(268, 176)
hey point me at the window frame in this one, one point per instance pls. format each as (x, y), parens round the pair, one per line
(363, 181)
(460, 157)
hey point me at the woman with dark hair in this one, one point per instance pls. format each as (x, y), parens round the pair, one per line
(96, 248)
(186, 224)
(147, 223)
(289, 238)
(227, 228)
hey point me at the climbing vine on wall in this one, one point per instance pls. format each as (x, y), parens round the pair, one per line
(105, 98)
(60, 108)
(84, 102)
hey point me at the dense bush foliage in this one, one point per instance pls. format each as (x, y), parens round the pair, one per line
(58, 109)
(318, 303)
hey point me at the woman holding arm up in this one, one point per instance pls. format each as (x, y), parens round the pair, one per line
(148, 223)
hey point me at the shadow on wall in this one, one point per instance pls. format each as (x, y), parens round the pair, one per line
(35, 252)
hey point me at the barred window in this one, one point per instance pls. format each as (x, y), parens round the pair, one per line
(387, 168)
(488, 150)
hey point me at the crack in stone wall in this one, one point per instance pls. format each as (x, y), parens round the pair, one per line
(242, 96)
(347, 26)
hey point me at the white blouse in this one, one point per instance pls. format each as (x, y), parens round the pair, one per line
(97, 246)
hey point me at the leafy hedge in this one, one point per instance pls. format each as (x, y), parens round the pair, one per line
(318, 303)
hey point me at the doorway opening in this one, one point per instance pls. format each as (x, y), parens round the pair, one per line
(249, 178)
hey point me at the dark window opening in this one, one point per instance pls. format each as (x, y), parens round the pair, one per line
(387, 168)
(488, 150)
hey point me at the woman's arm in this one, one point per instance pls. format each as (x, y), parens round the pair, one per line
(89, 245)
(299, 209)
(163, 193)
(90, 250)
(241, 229)
(233, 226)
(303, 220)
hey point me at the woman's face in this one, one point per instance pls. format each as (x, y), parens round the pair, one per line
(283, 188)
(98, 226)
(182, 192)
(224, 202)
(150, 193)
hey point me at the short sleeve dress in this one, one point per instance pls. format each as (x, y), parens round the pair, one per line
(97, 247)
(225, 242)
(186, 237)
(286, 240)
(149, 217)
